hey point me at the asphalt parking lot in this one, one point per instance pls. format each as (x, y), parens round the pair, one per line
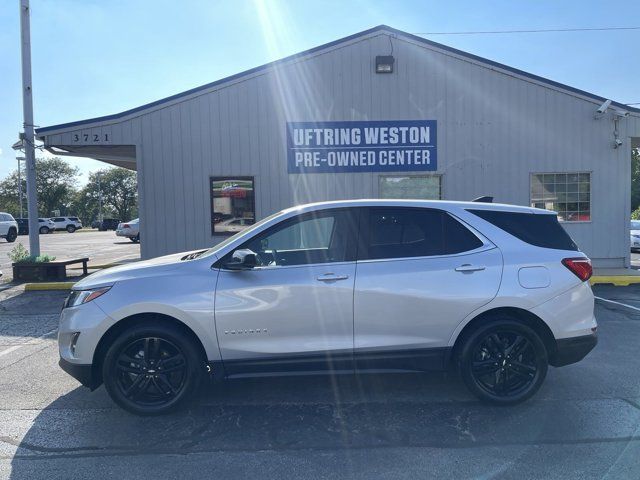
(100, 247)
(584, 423)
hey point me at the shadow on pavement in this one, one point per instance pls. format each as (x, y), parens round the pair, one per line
(313, 415)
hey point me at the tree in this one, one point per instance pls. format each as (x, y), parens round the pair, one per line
(119, 194)
(635, 179)
(56, 182)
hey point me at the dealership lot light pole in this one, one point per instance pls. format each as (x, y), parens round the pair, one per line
(28, 137)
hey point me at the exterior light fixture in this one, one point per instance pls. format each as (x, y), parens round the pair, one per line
(384, 63)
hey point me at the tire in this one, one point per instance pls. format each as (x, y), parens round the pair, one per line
(135, 239)
(12, 234)
(71, 228)
(142, 393)
(492, 372)
(44, 230)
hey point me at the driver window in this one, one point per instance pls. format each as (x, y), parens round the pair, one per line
(308, 239)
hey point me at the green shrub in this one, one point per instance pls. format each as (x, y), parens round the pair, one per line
(19, 254)
(635, 215)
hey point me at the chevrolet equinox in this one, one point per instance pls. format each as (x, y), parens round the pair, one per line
(496, 292)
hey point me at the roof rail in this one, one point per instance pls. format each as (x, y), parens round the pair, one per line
(483, 199)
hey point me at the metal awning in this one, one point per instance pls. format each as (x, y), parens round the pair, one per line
(118, 155)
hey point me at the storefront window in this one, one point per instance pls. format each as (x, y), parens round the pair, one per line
(569, 194)
(421, 187)
(232, 204)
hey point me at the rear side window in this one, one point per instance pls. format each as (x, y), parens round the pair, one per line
(541, 230)
(414, 232)
(73, 219)
(58, 219)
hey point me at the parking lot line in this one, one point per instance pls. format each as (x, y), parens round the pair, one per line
(617, 303)
(16, 347)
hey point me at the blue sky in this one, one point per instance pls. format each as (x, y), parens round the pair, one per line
(96, 57)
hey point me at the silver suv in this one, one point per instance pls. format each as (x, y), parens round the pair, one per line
(496, 292)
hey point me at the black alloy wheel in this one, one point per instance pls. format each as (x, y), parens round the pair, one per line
(71, 228)
(504, 362)
(12, 234)
(152, 370)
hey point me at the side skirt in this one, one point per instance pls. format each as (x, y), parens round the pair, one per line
(333, 363)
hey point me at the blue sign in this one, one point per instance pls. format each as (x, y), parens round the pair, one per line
(380, 146)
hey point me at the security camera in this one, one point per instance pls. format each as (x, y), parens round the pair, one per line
(620, 113)
(602, 108)
(617, 143)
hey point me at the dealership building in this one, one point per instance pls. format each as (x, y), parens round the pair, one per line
(378, 114)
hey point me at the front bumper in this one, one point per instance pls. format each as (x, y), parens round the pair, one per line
(574, 349)
(83, 373)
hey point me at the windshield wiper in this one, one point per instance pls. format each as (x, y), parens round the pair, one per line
(193, 255)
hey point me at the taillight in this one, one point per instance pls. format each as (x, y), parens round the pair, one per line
(581, 267)
(126, 225)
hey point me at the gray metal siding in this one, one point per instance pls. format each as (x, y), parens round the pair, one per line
(494, 129)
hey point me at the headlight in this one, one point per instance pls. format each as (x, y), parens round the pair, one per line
(78, 297)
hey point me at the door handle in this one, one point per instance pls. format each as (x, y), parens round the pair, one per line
(331, 277)
(467, 267)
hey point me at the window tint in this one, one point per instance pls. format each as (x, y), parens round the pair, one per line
(457, 237)
(73, 219)
(310, 238)
(415, 232)
(541, 230)
(58, 219)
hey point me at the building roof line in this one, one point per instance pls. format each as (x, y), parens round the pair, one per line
(355, 36)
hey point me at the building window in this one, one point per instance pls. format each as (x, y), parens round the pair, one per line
(420, 187)
(232, 204)
(569, 194)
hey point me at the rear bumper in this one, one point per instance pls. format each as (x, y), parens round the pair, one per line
(572, 350)
(82, 373)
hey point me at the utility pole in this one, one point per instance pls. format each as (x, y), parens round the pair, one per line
(20, 184)
(29, 147)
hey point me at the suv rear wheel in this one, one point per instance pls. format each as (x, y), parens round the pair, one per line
(71, 228)
(12, 234)
(503, 362)
(152, 369)
(44, 230)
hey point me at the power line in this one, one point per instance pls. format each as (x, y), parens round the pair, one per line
(542, 30)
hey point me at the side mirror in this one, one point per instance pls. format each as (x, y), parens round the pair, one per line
(243, 259)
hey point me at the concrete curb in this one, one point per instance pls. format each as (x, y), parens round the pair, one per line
(48, 286)
(617, 280)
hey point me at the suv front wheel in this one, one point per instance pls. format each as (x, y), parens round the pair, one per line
(503, 362)
(152, 369)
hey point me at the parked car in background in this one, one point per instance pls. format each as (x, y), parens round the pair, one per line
(8, 227)
(108, 224)
(635, 235)
(130, 229)
(45, 225)
(496, 292)
(234, 225)
(70, 224)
